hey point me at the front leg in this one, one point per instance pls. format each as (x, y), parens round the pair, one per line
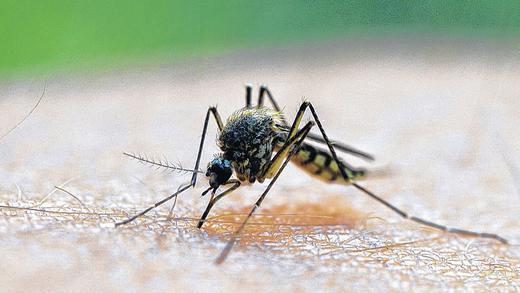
(213, 200)
(293, 144)
(211, 110)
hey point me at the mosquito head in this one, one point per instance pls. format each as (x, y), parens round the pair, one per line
(219, 170)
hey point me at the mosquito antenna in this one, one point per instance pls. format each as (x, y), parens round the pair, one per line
(161, 163)
(428, 223)
(28, 113)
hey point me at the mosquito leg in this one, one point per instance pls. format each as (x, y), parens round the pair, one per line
(249, 96)
(342, 147)
(275, 163)
(264, 90)
(283, 152)
(405, 215)
(211, 110)
(387, 204)
(294, 144)
(162, 201)
(339, 146)
(214, 200)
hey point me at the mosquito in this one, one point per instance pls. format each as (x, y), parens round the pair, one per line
(257, 143)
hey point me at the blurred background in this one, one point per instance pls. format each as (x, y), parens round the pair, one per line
(59, 36)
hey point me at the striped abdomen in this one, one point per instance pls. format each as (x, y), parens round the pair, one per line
(320, 164)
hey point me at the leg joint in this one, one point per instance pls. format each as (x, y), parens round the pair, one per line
(304, 105)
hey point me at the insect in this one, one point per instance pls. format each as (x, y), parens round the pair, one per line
(257, 143)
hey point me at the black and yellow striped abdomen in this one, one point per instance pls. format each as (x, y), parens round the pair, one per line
(320, 164)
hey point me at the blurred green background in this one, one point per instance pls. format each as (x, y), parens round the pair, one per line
(40, 37)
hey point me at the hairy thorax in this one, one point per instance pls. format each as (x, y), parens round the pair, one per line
(248, 140)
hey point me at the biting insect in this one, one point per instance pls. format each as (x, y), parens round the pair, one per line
(257, 143)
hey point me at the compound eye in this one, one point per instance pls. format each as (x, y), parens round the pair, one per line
(213, 180)
(224, 173)
(213, 166)
(219, 171)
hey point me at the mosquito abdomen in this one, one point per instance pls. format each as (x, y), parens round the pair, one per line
(320, 164)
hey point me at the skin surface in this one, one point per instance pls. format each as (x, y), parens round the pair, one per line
(440, 116)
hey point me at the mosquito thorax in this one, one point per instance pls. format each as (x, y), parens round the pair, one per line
(219, 171)
(247, 141)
